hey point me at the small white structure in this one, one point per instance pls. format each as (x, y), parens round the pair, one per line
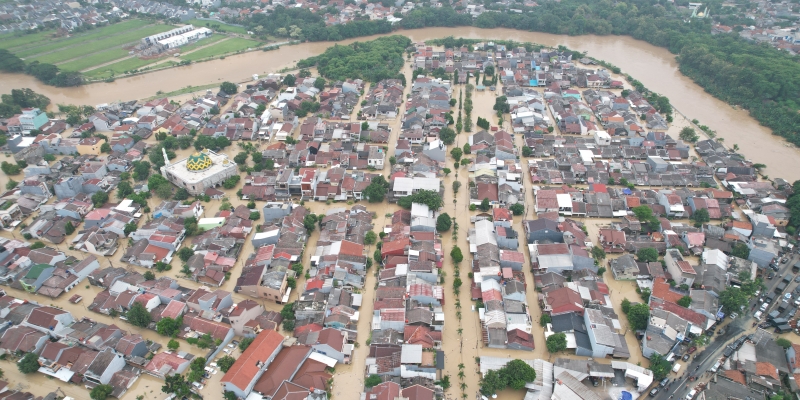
(602, 138)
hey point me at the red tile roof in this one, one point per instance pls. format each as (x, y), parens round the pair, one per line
(244, 370)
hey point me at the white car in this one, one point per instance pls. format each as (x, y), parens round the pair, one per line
(227, 351)
(734, 315)
(690, 395)
(787, 296)
(198, 385)
(757, 315)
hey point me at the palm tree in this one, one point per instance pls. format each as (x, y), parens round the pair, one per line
(461, 366)
(720, 139)
(464, 387)
(735, 147)
(461, 374)
(460, 330)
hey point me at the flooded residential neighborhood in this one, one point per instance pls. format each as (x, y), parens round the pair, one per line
(495, 220)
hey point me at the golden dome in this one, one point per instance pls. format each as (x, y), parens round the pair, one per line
(198, 162)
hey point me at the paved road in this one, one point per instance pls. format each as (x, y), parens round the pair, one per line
(680, 385)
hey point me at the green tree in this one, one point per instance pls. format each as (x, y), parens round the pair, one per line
(685, 301)
(527, 151)
(149, 276)
(732, 299)
(376, 191)
(492, 382)
(29, 363)
(173, 344)
(10, 169)
(660, 366)
(517, 208)
(785, 343)
(544, 320)
(245, 343)
(467, 148)
(228, 395)
(69, 229)
(310, 222)
(319, 83)
(370, 237)
(225, 363)
(598, 253)
(456, 153)
(105, 148)
(517, 373)
(101, 392)
(647, 254)
(443, 222)
(177, 384)
(456, 255)
(700, 217)
(229, 88)
(626, 305)
(373, 380)
(485, 205)
(99, 198)
(556, 342)
(428, 197)
(638, 315)
(254, 216)
(37, 245)
(289, 80)
(168, 326)
(138, 315)
(740, 250)
(185, 253)
(447, 135)
(688, 135)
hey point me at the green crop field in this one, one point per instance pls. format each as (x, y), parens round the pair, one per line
(98, 58)
(222, 26)
(228, 46)
(99, 45)
(80, 39)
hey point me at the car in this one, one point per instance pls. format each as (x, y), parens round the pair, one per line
(774, 267)
(230, 346)
(771, 275)
(764, 307)
(663, 382)
(653, 392)
(227, 351)
(235, 342)
(787, 296)
(797, 279)
(734, 315)
(757, 293)
(676, 367)
(595, 381)
(213, 365)
(690, 395)
(198, 385)
(758, 314)
(691, 350)
(686, 357)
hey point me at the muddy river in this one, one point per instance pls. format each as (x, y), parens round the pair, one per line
(653, 66)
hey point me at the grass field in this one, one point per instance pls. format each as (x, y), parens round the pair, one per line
(228, 46)
(9, 41)
(118, 68)
(79, 39)
(201, 43)
(222, 26)
(98, 58)
(99, 45)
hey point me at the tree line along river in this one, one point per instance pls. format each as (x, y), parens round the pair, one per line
(655, 67)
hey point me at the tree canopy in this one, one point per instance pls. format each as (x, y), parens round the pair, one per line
(638, 316)
(138, 315)
(373, 61)
(556, 342)
(376, 191)
(428, 197)
(647, 254)
(29, 363)
(443, 222)
(659, 366)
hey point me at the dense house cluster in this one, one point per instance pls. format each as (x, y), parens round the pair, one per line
(77, 351)
(408, 318)
(499, 283)
(306, 184)
(52, 14)
(44, 271)
(155, 241)
(497, 174)
(277, 246)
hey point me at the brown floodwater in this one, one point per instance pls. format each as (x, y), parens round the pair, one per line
(655, 67)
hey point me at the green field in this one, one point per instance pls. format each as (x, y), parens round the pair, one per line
(201, 43)
(228, 46)
(118, 68)
(222, 26)
(80, 39)
(9, 41)
(99, 45)
(98, 58)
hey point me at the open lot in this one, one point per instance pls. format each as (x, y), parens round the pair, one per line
(94, 59)
(48, 44)
(119, 68)
(226, 47)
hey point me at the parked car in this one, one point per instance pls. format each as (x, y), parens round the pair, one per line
(690, 395)
(734, 315)
(797, 279)
(787, 296)
(653, 392)
(692, 350)
(663, 382)
(771, 275)
(758, 314)
(686, 357)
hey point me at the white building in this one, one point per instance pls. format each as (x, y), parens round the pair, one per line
(199, 171)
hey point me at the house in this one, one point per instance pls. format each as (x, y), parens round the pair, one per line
(49, 320)
(330, 342)
(248, 368)
(22, 339)
(562, 301)
(573, 326)
(682, 272)
(167, 363)
(104, 366)
(543, 230)
(624, 268)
